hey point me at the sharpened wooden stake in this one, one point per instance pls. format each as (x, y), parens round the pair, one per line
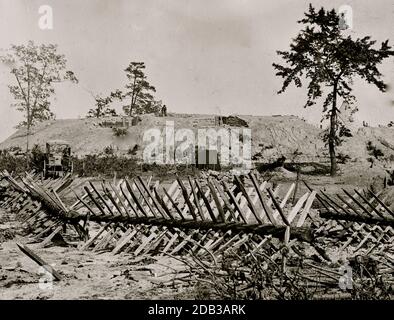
(38, 260)
(277, 206)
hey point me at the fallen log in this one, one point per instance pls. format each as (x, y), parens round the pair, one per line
(357, 218)
(301, 233)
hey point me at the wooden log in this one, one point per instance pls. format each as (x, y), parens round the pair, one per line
(334, 205)
(119, 197)
(39, 261)
(297, 207)
(135, 198)
(174, 204)
(306, 209)
(126, 237)
(91, 240)
(155, 202)
(234, 201)
(250, 203)
(98, 205)
(129, 202)
(277, 206)
(85, 203)
(358, 218)
(266, 208)
(369, 204)
(382, 203)
(206, 202)
(216, 200)
(195, 198)
(186, 197)
(163, 204)
(111, 199)
(225, 201)
(275, 192)
(358, 203)
(317, 196)
(146, 200)
(100, 197)
(50, 237)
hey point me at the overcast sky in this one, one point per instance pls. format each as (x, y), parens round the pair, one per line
(203, 56)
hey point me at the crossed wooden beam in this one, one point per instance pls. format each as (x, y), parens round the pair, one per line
(207, 212)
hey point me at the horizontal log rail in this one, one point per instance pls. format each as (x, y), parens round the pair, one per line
(357, 218)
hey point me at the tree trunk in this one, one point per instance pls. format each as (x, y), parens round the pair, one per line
(27, 147)
(332, 134)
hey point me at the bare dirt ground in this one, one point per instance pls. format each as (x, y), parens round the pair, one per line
(102, 275)
(86, 275)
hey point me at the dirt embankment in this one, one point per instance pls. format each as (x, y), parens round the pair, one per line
(272, 137)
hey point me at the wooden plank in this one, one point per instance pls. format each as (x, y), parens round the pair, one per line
(275, 192)
(206, 202)
(216, 200)
(98, 205)
(277, 206)
(50, 237)
(287, 196)
(156, 204)
(174, 204)
(127, 236)
(111, 199)
(146, 240)
(225, 200)
(250, 203)
(381, 203)
(186, 197)
(163, 204)
(306, 209)
(369, 204)
(129, 202)
(171, 242)
(234, 201)
(195, 198)
(84, 203)
(183, 242)
(297, 207)
(136, 200)
(358, 203)
(146, 200)
(266, 208)
(91, 240)
(335, 206)
(100, 197)
(119, 197)
(171, 191)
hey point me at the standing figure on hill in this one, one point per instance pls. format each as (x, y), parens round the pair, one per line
(164, 111)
